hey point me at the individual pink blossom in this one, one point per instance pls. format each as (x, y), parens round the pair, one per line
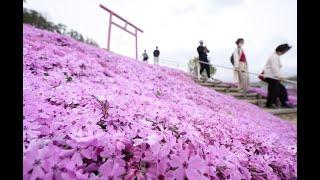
(190, 167)
(110, 170)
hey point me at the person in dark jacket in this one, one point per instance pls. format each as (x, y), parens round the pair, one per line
(156, 54)
(145, 56)
(202, 51)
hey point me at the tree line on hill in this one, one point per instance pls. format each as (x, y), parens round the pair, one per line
(36, 19)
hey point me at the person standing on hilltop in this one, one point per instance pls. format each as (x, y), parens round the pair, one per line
(156, 54)
(202, 51)
(240, 66)
(274, 77)
(145, 56)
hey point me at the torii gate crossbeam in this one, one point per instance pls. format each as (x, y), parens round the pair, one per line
(135, 34)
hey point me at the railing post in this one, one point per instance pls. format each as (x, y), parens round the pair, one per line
(198, 69)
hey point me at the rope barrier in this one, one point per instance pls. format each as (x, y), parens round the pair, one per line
(230, 68)
(203, 62)
(174, 62)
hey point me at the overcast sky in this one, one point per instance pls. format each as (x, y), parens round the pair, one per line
(176, 27)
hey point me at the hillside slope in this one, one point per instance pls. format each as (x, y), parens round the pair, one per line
(90, 114)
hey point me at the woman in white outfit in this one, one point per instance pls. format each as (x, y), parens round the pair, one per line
(240, 66)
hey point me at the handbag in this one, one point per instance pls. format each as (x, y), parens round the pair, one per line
(261, 77)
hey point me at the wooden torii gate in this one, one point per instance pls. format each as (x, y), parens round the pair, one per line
(135, 34)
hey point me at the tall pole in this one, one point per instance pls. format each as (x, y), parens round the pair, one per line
(109, 32)
(136, 35)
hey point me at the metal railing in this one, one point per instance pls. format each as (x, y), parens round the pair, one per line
(172, 62)
(231, 68)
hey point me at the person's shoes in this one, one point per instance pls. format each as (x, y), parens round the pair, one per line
(210, 80)
(286, 106)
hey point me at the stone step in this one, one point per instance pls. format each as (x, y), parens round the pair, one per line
(232, 89)
(252, 101)
(220, 89)
(292, 117)
(243, 98)
(204, 79)
(214, 84)
(259, 102)
(225, 89)
(242, 95)
(222, 85)
(206, 84)
(281, 111)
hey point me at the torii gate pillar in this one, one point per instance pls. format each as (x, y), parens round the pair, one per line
(135, 34)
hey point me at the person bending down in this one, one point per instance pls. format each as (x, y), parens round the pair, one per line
(275, 88)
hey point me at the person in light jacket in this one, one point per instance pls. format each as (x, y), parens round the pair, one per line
(240, 66)
(273, 76)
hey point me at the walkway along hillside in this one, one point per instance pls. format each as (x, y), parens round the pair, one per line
(254, 98)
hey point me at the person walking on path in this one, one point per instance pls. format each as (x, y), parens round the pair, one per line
(272, 69)
(240, 65)
(156, 54)
(202, 51)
